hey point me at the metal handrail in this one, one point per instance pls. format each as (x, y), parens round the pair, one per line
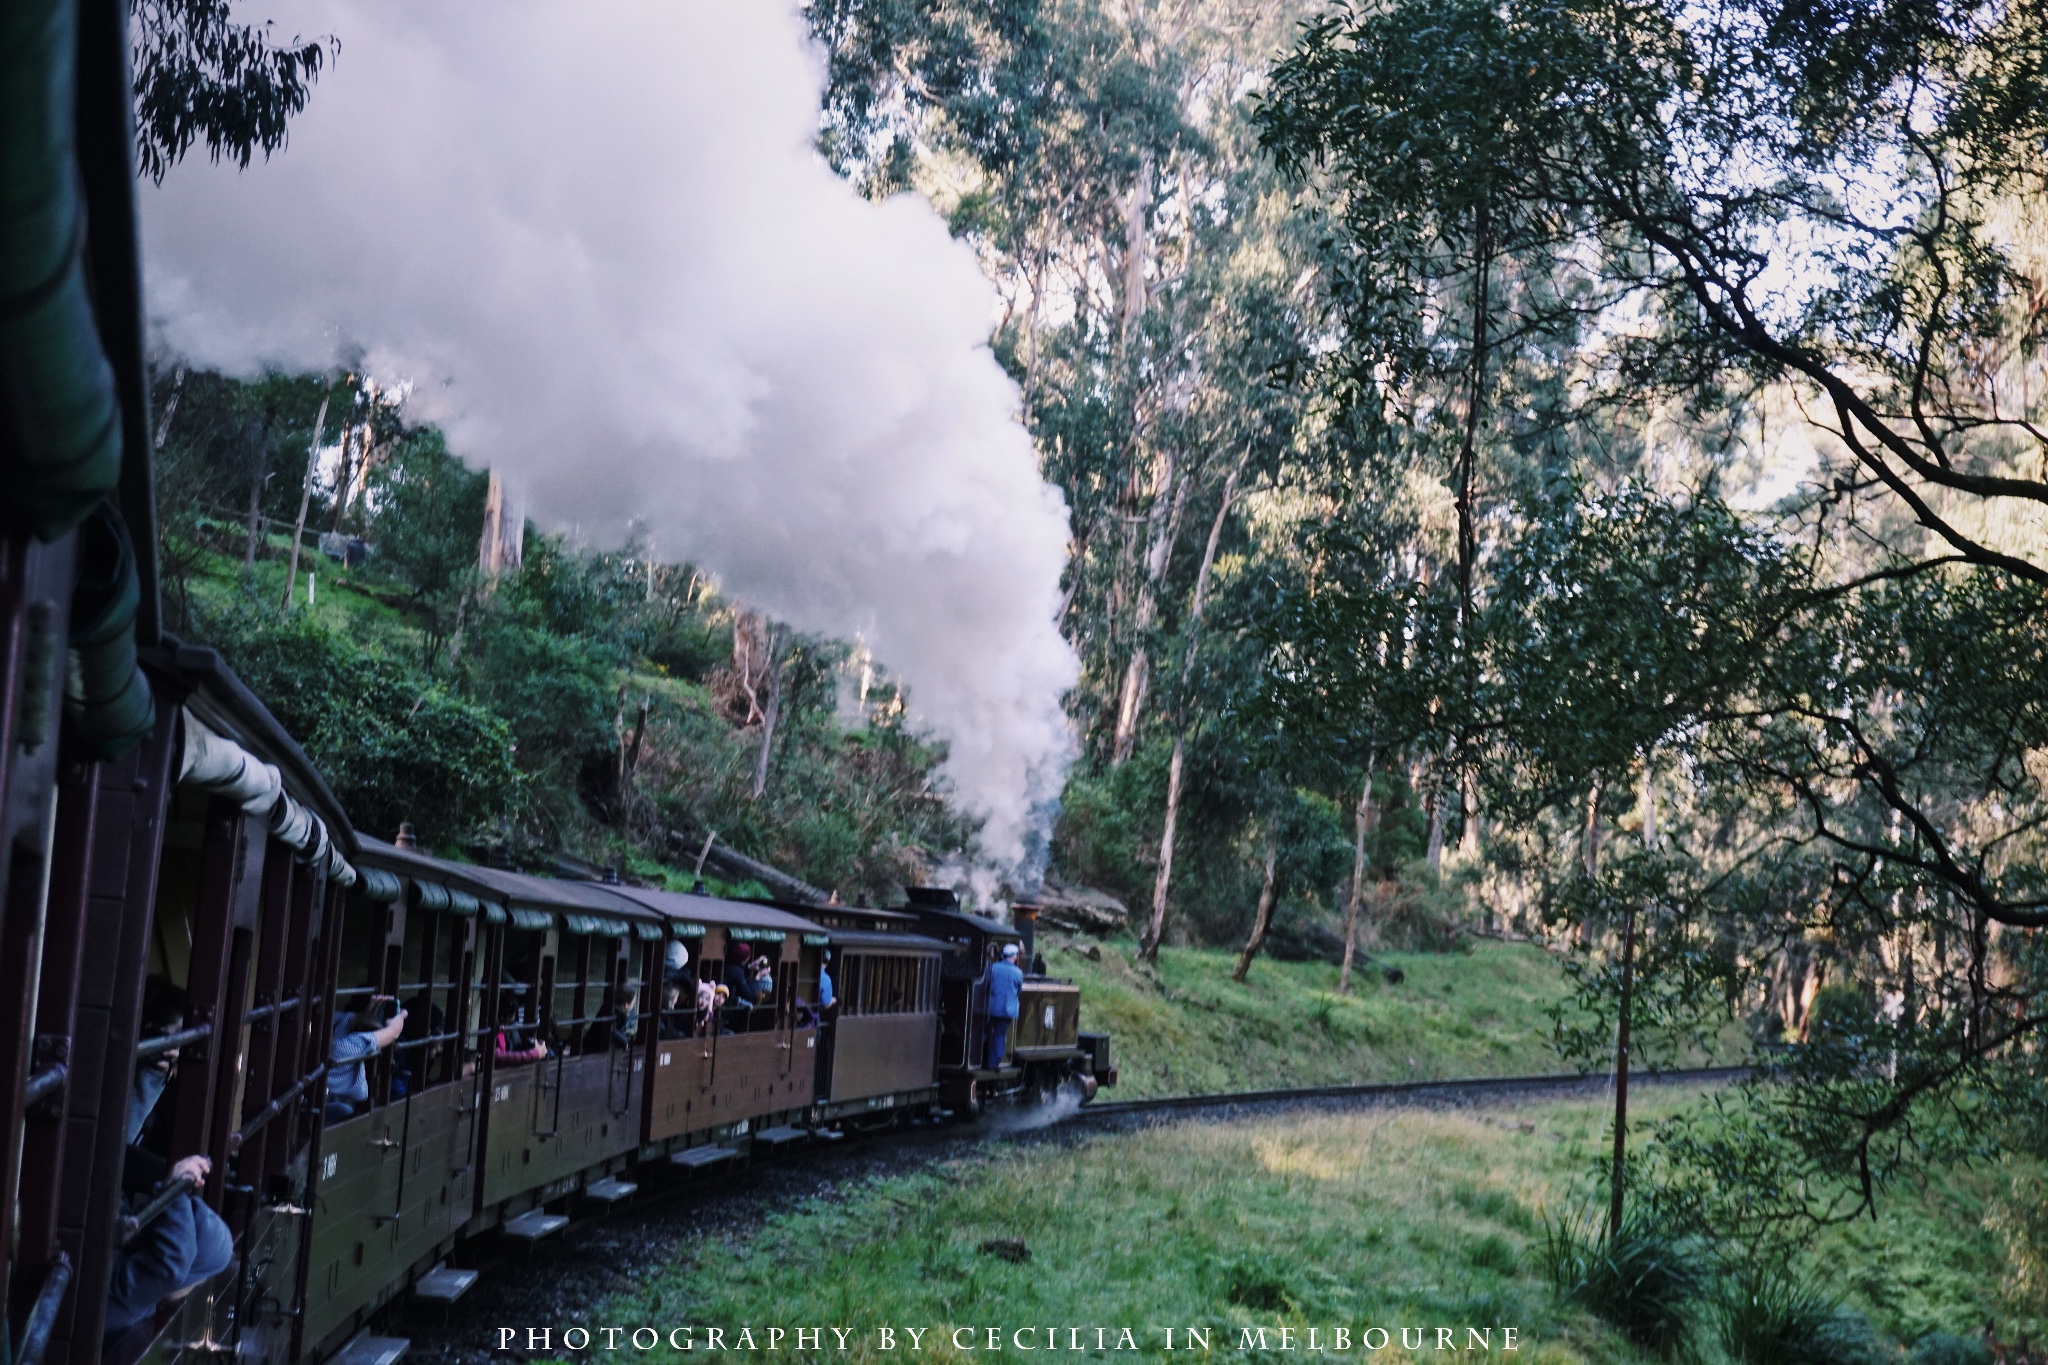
(42, 1319)
(277, 1106)
(164, 1042)
(170, 1194)
(262, 1012)
(407, 1044)
(43, 1084)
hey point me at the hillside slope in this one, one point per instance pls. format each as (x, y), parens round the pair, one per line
(1186, 1027)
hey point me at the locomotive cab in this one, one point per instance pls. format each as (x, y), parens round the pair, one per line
(1048, 1058)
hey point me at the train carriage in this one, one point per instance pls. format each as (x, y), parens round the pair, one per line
(731, 1073)
(188, 923)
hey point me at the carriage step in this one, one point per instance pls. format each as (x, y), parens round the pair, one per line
(364, 1349)
(531, 1227)
(775, 1139)
(445, 1285)
(609, 1191)
(695, 1158)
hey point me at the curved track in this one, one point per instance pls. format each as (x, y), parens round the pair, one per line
(1562, 1083)
(615, 1252)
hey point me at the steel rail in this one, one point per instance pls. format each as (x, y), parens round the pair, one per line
(1374, 1089)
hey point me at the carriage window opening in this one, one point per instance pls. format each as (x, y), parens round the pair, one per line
(705, 1014)
(611, 995)
(430, 970)
(526, 969)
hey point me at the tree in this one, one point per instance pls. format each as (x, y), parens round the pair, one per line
(200, 75)
(1769, 210)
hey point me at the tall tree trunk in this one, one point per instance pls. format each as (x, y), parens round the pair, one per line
(163, 419)
(1590, 840)
(1263, 918)
(771, 713)
(1618, 1177)
(1148, 946)
(1362, 824)
(1468, 457)
(255, 518)
(1473, 837)
(291, 574)
(1624, 1024)
(1162, 884)
(1135, 293)
(1439, 803)
(1138, 670)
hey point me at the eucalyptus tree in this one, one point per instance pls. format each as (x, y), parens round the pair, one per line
(1832, 213)
(1099, 159)
(202, 76)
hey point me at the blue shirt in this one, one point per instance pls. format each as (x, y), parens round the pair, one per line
(824, 988)
(346, 1079)
(1004, 981)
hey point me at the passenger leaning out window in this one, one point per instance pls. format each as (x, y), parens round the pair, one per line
(358, 1037)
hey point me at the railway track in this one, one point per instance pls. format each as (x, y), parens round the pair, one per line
(1550, 1083)
(610, 1253)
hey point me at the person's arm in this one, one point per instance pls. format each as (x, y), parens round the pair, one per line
(389, 1034)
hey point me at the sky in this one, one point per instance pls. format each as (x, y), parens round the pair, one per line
(597, 242)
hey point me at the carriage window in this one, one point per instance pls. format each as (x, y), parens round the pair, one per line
(526, 968)
(433, 966)
(591, 986)
(889, 985)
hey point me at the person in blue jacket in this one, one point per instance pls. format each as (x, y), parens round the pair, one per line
(1004, 981)
(187, 1245)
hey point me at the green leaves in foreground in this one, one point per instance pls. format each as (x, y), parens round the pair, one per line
(1643, 1279)
(392, 743)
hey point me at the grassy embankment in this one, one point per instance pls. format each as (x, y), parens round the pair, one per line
(1394, 1218)
(1186, 1027)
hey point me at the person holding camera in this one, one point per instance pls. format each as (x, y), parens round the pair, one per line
(357, 1038)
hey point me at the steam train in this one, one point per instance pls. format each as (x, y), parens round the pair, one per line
(160, 833)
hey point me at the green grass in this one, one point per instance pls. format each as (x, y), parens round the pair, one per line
(1396, 1218)
(1186, 1027)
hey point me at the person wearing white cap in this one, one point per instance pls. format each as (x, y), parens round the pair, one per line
(1004, 982)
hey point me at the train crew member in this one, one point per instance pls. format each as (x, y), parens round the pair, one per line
(505, 1046)
(1004, 981)
(185, 1246)
(357, 1038)
(826, 999)
(739, 976)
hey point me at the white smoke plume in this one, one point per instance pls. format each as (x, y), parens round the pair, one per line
(597, 239)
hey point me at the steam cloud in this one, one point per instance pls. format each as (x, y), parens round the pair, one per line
(598, 240)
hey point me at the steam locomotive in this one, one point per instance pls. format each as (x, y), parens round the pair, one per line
(159, 828)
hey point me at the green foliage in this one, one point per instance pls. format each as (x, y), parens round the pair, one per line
(1643, 1278)
(200, 74)
(1770, 1315)
(392, 743)
(1945, 1348)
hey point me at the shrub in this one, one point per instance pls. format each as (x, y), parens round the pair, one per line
(1258, 1283)
(1492, 1252)
(1642, 1279)
(392, 743)
(1773, 1316)
(1940, 1348)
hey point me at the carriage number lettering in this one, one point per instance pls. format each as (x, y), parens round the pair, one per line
(1048, 1016)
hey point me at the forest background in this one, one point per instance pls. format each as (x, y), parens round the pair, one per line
(1569, 469)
